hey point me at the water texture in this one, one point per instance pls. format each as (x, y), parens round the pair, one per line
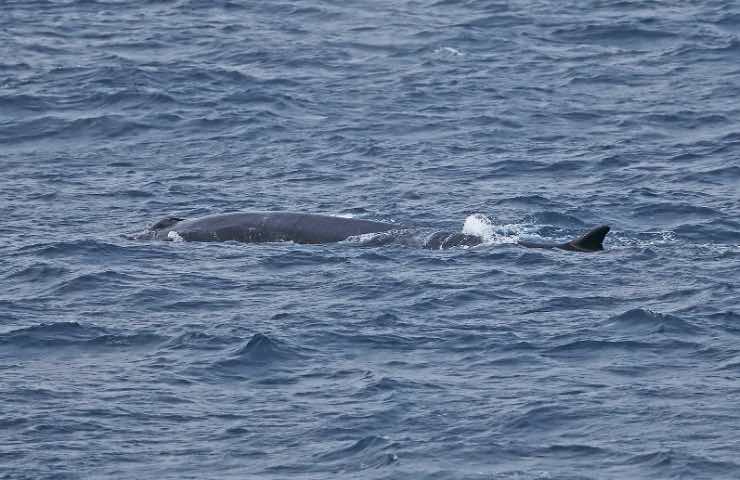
(370, 359)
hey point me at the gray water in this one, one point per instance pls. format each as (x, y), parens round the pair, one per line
(365, 359)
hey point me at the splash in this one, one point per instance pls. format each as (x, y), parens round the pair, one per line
(141, 235)
(174, 236)
(482, 226)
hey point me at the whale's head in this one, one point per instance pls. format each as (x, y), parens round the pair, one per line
(162, 228)
(166, 223)
(158, 231)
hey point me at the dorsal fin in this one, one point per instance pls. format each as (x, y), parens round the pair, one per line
(591, 241)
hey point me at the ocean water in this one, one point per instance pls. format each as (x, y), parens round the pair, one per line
(124, 359)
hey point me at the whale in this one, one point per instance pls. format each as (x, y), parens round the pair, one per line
(310, 228)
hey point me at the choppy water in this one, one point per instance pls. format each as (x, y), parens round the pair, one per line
(125, 359)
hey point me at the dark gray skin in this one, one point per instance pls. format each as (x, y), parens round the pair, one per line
(268, 227)
(311, 228)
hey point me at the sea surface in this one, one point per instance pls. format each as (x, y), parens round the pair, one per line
(365, 359)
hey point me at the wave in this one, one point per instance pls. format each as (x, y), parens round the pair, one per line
(296, 258)
(89, 247)
(261, 350)
(110, 126)
(720, 231)
(596, 347)
(574, 450)
(571, 303)
(691, 466)
(74, 334)
(542, 418)
(367, 453)
(88, 282)
(196, 340)
(625, 35)
(38, 272)
(550, 217)
(674, 213)
(383, 341)
(387, 385)
(644, 322)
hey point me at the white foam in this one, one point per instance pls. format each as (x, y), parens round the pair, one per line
(668, 236)
(660, 237)
(174, 236)
(480, 225)
(362, 238)
(449, 51)
(376, 238)
(141, 235)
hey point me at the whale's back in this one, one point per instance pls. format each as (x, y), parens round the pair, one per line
(275, 227)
